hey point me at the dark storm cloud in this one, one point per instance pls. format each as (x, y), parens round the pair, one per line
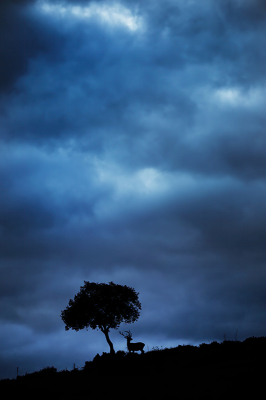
(23, 38)
(106, 88)
(132, 150)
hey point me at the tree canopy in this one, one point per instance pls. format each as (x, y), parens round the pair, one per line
(101, 305)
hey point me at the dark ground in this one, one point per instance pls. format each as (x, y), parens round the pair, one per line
(230, 369)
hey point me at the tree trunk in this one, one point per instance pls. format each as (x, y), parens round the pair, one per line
(106, 333)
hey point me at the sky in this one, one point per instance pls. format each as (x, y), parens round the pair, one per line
(132, 150)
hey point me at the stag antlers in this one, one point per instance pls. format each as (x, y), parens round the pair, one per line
(132, 346)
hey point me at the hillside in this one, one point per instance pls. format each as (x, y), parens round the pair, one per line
(214, 370)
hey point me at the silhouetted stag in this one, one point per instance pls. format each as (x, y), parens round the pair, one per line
(132, 346)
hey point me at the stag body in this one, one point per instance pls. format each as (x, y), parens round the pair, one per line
(132, 346)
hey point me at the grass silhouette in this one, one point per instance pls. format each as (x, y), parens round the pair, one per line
(208, 371)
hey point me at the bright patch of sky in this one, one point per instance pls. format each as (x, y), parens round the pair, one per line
(143, 182)
(236, 97)
(113, 15)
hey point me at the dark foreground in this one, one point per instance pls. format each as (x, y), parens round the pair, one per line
(210, 371)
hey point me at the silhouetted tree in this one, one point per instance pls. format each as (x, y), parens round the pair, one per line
(103, 306)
